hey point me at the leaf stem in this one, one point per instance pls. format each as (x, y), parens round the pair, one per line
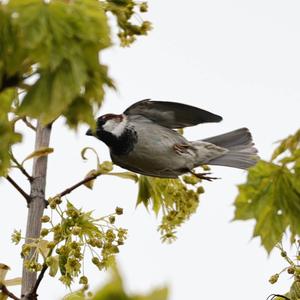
(28, 124)
(20, 167)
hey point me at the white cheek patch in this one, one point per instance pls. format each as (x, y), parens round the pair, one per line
(110, 125)
(115, 127)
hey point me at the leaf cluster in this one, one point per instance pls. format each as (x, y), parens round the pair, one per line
(53, 48)
(50, 53)
(124, 11)
(62, 246)
(292, 269)
(7, 132)
(271, 194)
(177, 199)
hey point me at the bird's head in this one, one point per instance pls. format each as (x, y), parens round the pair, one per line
(109, 124)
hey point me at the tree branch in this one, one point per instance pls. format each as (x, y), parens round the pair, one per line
(36, 205)
(32, 294)
(28, 124)
(78, 184)
(20, 167)
(6, 292)
(18, 188)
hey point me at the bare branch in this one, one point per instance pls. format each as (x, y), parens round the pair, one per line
(32, 294)
(28, 124)
(78, 184)
(20, 167)
(18, 188)
(6, 292)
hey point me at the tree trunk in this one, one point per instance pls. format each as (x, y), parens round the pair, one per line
(36, 205)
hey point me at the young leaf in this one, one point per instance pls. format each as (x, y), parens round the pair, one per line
(83, 153)
(38, 153)
(90, 184)
(3, 271)
(126, 175)
(13, 281)
(54, 265)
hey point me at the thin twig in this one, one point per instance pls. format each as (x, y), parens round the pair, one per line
(20, 167)
(33, 294)
(28, 124)
(6, 292)
(78, 184)
(18, 188)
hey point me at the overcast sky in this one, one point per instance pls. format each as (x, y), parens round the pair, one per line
(239, 59)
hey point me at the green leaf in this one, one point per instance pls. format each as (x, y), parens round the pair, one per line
(90, 184)
(113, 290)
(291, 143)
(53, 269)
(105, 167)
(75, 296)
(8, 138)
(271, 196)
(55, 44)
(55, 90)
(3, 271)
(125, 175)
(83, 154)
(144, 191)
(158, 294)
(80, 110)
(38, 153)
(7, 132)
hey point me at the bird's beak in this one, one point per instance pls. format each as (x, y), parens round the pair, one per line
(89, 132)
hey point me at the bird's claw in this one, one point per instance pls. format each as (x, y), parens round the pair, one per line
(204, 176)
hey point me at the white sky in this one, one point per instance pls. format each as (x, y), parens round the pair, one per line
(239, 59)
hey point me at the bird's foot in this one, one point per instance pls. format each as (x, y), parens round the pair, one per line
(204, 176)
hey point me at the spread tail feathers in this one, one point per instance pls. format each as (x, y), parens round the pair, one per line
(242, 154)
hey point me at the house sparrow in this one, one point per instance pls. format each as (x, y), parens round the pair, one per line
(143, 140)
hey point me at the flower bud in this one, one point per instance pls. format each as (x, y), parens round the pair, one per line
(119, 210)
(83, 280)
(76, 230)
(45, 219)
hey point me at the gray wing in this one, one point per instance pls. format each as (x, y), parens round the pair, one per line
(171, 114)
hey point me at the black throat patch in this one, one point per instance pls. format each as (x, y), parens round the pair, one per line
(121, 145)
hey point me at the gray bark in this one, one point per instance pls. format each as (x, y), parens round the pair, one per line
(37, 204)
